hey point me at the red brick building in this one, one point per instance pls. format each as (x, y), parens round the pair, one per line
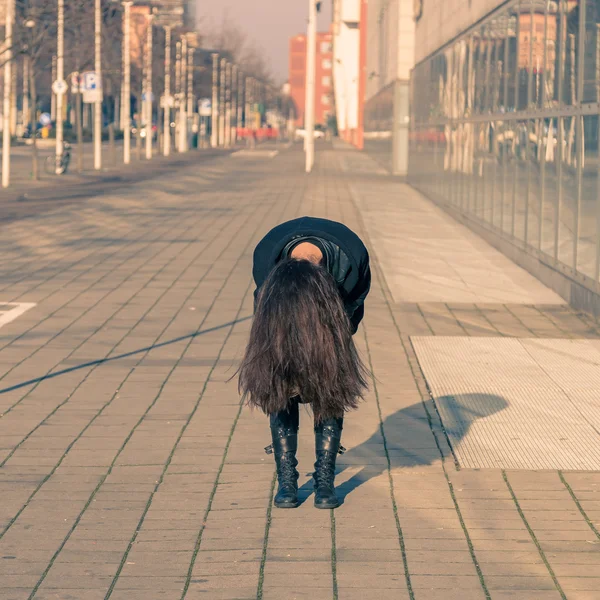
(324, 77)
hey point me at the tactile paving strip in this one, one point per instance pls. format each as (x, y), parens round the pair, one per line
(516, 403)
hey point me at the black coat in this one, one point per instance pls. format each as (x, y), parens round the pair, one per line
(347, 258)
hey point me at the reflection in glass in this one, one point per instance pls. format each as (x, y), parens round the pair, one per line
(551, 188)
(568, 191)
(512, 57)
(587, 250)
(520, 179)
(591, 58)
(534, 200)
(549, 91)
(529, 174)
(570, 23)
(524, 54)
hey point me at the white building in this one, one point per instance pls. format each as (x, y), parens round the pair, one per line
(346, 65)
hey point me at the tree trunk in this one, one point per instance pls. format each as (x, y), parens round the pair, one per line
(35, 169)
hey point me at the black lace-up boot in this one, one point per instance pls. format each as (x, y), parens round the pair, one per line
(284, 432)
(327, 446)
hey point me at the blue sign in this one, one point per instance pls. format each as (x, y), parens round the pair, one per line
(90, 82)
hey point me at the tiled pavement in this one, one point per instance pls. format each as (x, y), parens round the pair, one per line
(129, 470)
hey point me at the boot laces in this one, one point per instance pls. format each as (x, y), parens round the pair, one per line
(287, 471)
(325, 471)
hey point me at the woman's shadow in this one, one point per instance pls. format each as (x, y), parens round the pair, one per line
(409, 438)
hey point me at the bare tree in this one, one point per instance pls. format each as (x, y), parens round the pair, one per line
(247, 54)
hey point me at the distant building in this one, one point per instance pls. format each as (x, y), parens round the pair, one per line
(324, 101)
(349, 67)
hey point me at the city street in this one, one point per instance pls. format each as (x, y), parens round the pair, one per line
(129, 469)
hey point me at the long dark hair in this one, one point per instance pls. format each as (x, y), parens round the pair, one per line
(301, 345)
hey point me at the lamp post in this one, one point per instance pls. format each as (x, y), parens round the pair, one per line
(183, 127)
(214, 133)
(10, 10)
(60, 75)
(240, 99)
(228, 94)
(222, 106)
(98, 69)
(167, 96)
(178, 96)
(148, 103)
(311, 61)
(126, 110)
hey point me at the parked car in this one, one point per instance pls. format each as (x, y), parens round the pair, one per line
(301, 134)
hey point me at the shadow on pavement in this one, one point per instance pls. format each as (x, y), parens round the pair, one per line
(101, 361)
(409, 440)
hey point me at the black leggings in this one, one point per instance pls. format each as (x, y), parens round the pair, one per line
(290, 419)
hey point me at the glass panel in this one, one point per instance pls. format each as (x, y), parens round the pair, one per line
(520, 174)
(588, 221)
(591, 58)
(568, 190)
(479, 191)
(506, 148)
(550, 169)
(535, 152)
(439, 159)
(488, 171)
(499, 175)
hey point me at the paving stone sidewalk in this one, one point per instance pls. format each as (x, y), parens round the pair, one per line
(129, 470)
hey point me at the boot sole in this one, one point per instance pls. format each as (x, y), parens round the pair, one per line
(286, 504)
(327, 506)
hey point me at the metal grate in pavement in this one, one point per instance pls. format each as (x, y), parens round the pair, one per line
(516, 403)
(9, 311)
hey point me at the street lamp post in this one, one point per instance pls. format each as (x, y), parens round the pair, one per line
(177, 96)
(311, 61)
(222, 110)
(190, 82)
(126, 109)
(240, 99)
(98, 69)
(148, 103)
(10, 10)
(183, 127)
(214, 133)
(234, 103)
(167, 96)
(60, 74)
(228, 94)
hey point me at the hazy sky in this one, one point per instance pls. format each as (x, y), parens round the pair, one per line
(270, 23)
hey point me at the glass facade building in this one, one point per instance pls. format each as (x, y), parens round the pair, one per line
(505, 129)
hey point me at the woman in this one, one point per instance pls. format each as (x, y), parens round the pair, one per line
(312, 277)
